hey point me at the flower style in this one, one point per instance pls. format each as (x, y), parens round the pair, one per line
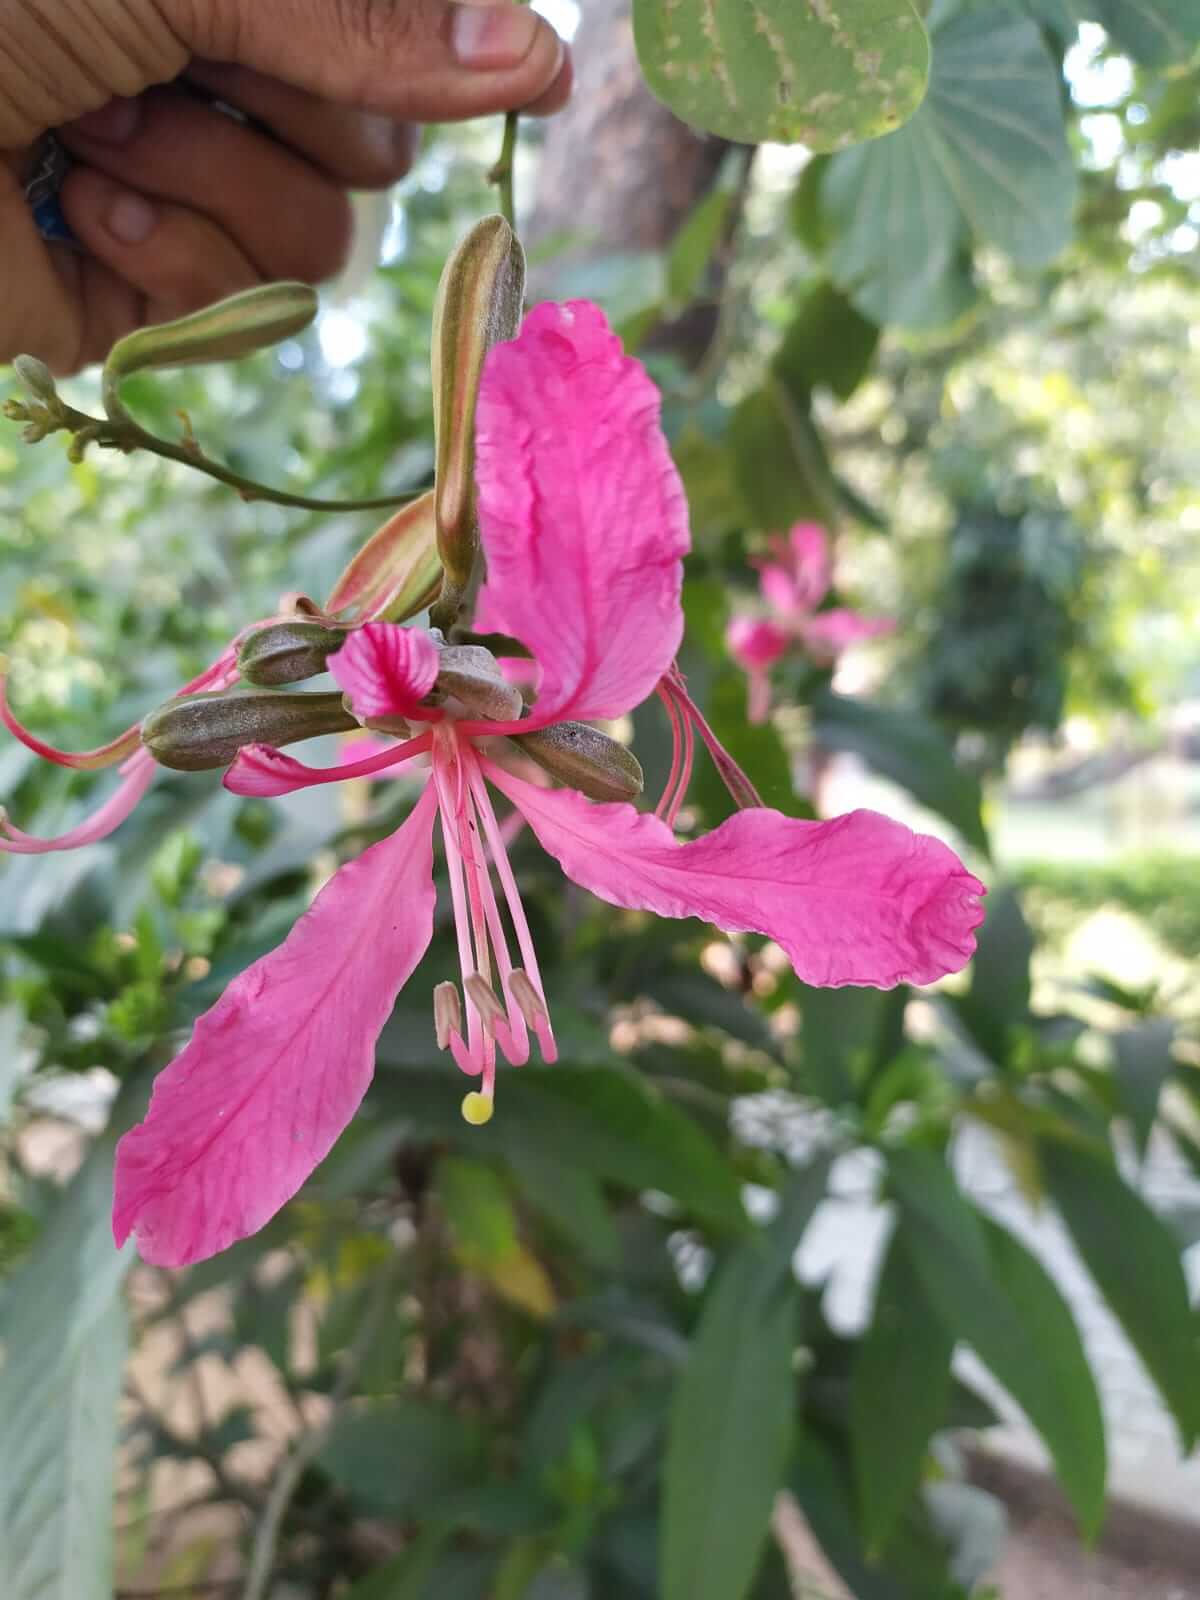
(584, 525)
(793, 581)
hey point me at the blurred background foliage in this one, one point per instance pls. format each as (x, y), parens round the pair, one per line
(566, 1356)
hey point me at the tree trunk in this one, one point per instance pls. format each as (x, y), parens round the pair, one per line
(618, 171)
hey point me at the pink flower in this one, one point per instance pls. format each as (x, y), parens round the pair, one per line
(584, 525)
(793, 581)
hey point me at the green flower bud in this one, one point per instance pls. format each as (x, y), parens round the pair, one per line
(35, 378)
(585, 759)
(197, 732)
(479, 304)
(287, 652)
(232, 328)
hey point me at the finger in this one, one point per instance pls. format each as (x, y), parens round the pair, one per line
(288, 219)
(418, 60)
(557, 95)
(174, 259)
(38, 316)
(362, 149)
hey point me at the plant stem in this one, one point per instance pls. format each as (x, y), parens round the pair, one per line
(502, 173)
(121, 432)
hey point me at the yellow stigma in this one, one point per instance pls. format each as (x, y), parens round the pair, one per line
(477, 1108)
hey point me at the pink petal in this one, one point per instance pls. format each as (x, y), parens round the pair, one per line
(582, 513)
(276, 1069)
(385, 669)
(756, 642)
(860, 899)
(139, 774)
(830, 632)
(781, 591)
(811, 562)
(263, 772)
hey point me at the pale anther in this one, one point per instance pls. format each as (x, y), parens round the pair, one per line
(526, 997)
(447, 1013)
(483, 997)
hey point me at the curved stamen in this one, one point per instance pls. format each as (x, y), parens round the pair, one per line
(540, 1020)
(672, 711)
(479, 1051)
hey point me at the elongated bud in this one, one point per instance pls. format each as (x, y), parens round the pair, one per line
(397, 572)
(479, 304)
(287, 652)
(585, 759)
(234, 327)
(198, 732)
(35, 378)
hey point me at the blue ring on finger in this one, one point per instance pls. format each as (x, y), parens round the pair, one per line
(49, 166)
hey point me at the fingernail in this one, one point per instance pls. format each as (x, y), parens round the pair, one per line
(130, 218)
(114, 123)
(487, 37)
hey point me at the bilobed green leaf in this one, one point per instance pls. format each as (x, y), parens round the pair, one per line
(1135, 1262)
(730, 1427)
(63, 1336)
(990, 1291)
(751, 70)
(900, 1388)
(910, 750)
(984, 160)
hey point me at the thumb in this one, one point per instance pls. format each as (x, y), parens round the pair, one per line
(420, 60)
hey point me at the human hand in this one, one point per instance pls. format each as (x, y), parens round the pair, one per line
(173, 203)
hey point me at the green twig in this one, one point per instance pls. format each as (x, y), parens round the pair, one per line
(502, 173)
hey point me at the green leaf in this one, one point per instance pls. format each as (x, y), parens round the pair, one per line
(914, 1565)
(846, 1033)
(692, 247)
(401, 1456)
(573, 1203)
(985, 160)
(780, 464)
(610, 1123)
(754, 70)
(1136, 1265)
(1144, 1062)
(478, 1209)
(732, 1409)
(990, 1291)
(998, 998)
(828, 344)
(900, 1389)
(728, 1437)
(63, 1332)
(910, 750)
(1157, 33)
